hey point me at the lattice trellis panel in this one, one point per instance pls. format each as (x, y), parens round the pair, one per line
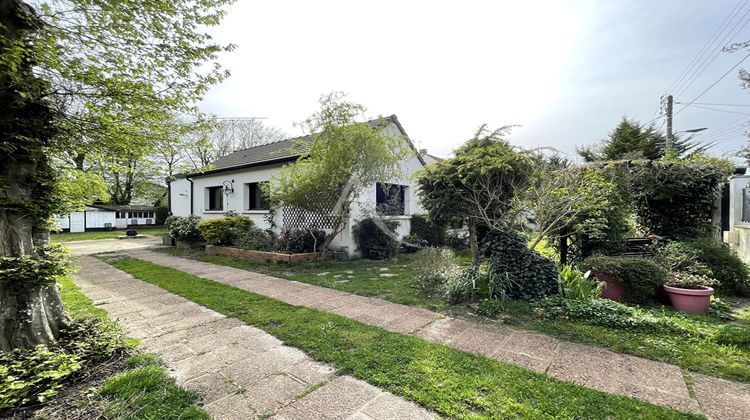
(297, 218)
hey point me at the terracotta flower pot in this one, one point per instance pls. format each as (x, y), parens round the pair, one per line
(613, 290)
(692, 301)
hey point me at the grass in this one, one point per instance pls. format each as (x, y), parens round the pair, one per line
(87, 236)
(144, 390)
(449, 382)
(705, 355)
(359, 276)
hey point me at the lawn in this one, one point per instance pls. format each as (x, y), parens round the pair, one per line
(449, 382)
(86, 236)
(712, 350)
(109, 380)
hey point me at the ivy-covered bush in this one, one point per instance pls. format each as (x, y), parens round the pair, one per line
(640, 276)
(704, 256)
(675, 198)
(224, 231)
(514, 270)
(305, 240)
(433, 233)
(372, 239)
(184, 228)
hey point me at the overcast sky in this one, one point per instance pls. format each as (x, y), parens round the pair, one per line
(564, 71)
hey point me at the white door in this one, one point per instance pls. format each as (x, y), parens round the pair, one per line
(77, 221)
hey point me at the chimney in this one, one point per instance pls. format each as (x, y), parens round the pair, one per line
(422, 152)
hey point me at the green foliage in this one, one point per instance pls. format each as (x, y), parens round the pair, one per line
(675, 198)
(457, 241)
(376, 238)
(600, 221)
(517, 271)
(257, 240)
(148, 392)
(577, 285)
(224, 231)
(344, 158)
(640, 276)
(162, 212)
(35, 375)
(184, 228)
(705, 256)
(433, 233)
(480, 182)
(74, 189)
(690, 281)
(305, 240)
(44, 267)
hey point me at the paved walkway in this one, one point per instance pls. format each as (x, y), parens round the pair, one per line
(593, 367)
(239, 371)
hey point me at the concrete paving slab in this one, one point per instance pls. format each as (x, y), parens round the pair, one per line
(722, 399)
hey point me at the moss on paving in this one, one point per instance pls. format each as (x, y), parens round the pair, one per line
(449, 382)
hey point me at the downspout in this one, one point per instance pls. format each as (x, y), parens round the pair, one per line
(169, 196)
(191, 194)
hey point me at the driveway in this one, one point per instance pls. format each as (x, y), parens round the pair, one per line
(97, 246)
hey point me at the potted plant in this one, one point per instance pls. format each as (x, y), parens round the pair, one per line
(690, 293)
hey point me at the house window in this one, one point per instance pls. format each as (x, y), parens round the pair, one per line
(390, 199)
(215, 198)
(255, 199)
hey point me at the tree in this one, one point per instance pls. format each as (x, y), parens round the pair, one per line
(630, 140)
(479, 184)
(344, 157)
(86, 79)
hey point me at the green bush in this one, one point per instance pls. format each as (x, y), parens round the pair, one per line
(457, 241)
(431, 264)
(373, 241)
(431, 232)
(675, 198)
(224, 231)
(305, 240)
(514, 270)
(641, 276)
(725, 265)
(161, 215)
(257, 240)
(184, 228)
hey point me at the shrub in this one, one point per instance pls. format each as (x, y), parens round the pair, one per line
(675, 198)
(412, 243)
(459, 284)
(690, 281)
(457, 241)
(161, 215)
(704, 256)
(431, 232)
(641, 276)
(431, 264)
(305, 240)
(184, 228)
(577, 285)
(224, 231)
(514, 270)
(373, 241)
(257, 240)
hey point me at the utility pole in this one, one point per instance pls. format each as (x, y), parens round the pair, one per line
(670, 138)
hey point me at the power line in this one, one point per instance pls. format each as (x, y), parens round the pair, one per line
(715, 104)
(706, 47)
(728, 128)
(714, 109)
(710, 59)
(714, 83)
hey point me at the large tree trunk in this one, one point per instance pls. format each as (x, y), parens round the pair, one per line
(31, 312)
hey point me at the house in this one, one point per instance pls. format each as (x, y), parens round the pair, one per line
(103, 216)
(428, 158)
(735, 215)
(233, 183)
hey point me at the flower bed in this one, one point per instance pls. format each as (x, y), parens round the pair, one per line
(263, 256)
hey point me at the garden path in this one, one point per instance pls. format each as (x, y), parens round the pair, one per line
(656, 382)
(239, 371)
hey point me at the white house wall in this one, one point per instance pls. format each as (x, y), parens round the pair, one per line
(237, 201)
(97, 218)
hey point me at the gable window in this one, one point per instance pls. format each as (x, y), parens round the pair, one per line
(390, 199)
(215, 198)
(255, 199)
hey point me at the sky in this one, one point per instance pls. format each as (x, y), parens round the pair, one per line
(564, 72)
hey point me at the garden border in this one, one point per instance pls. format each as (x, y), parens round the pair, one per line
(263, 256)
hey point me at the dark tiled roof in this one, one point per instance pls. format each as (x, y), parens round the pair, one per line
(279, 151)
